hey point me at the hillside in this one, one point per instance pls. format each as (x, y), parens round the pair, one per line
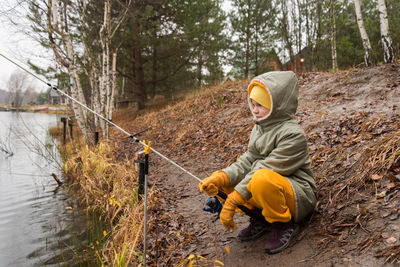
(352, 120)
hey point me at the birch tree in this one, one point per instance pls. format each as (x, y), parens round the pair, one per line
(333, 34)
(388, 53)
(364, 36)
(101, 70)
(68, 32)
(60, 40)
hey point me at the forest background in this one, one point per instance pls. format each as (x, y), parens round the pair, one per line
(128, 51)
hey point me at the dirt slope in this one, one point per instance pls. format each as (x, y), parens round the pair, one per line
(352, 121)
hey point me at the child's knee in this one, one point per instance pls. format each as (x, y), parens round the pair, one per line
(262, 179)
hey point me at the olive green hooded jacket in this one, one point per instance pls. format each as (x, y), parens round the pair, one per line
(278, 143)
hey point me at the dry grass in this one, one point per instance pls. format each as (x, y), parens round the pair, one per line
(56, 131)
(109, 189)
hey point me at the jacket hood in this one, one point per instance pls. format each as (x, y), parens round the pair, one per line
(283, 88)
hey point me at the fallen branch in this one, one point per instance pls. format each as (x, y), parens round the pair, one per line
(56, 178)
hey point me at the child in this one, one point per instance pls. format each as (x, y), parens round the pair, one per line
(274, 174)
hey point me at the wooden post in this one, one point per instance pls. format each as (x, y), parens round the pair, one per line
(64, 121)
(96, 138)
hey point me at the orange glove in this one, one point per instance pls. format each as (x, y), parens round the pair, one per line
(233, 200)
(212, 184)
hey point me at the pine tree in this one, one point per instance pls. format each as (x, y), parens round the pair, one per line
(252, 26)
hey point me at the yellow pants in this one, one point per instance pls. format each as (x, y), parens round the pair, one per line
(273, 194)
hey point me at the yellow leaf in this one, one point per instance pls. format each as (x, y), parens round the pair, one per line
(190, 264)
(228, 250)
(191, 256)
(68, 208)
(104, 233)
(201, 257)
(219, 262)
(381, 194)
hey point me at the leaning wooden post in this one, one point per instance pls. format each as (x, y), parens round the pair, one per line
(64, 121)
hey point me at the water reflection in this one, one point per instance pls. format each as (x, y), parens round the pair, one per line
(35, 226)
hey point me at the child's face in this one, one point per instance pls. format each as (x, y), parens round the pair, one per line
(258, 111)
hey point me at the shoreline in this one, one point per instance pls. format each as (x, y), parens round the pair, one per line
(37, 109)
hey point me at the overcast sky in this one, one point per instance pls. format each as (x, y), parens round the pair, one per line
(19, 47)
(16, 45)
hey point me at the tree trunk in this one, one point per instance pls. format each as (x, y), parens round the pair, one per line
(388, 52)
(286, 32)
(333, 35)
(300, 37)
(199, 70)
(69, 62)
(364, 35)
(308, 36)
(318, 32)
(154, 72)
(246, 72)
(112, 94)
(139, 89)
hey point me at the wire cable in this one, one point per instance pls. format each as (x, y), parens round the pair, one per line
(103, 118)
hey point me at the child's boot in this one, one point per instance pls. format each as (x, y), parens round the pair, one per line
(280, 236)
(254, 230)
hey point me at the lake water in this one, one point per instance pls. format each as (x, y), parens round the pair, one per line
(39, 223)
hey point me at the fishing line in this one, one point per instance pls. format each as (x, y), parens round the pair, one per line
(251, 213)
(102, 117)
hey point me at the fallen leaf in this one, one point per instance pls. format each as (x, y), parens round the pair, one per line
(376, 177)
(228, 250)
(390, 186)
(385, 235)
(219, 262)
(68, 208)
(391, 240)
(396, 227)
(386, 213)
(381, 194)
